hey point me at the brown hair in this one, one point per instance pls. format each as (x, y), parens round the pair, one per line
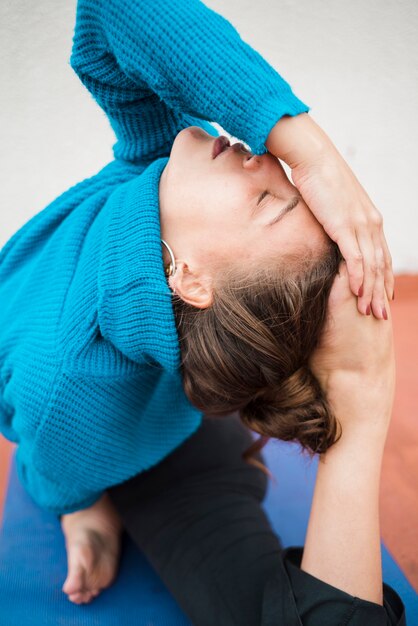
(249, 351)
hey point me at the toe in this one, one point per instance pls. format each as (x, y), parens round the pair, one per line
(86, 597)
(74, 582)
(75, 597)
(82, 597)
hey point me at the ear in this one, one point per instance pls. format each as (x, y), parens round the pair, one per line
(192, 287)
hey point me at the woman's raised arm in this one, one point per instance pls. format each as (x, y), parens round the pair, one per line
(189, 55)
(355, 366)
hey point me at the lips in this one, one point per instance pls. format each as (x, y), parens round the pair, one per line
(219, 145)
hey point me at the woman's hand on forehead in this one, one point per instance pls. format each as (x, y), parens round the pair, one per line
(341, 206)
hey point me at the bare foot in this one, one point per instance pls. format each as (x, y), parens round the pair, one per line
(92, 539)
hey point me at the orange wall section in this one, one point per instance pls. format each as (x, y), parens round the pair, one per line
(399, 483)
(6, 449)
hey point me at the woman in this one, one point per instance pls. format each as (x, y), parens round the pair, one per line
(90, 352)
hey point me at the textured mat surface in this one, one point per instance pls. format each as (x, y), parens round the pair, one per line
(33, 563)
(33, 569)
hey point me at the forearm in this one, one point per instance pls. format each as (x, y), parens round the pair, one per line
(342, 544)
(193, 59)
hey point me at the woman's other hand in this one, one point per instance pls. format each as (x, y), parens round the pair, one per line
(340, 204)
(354, 361)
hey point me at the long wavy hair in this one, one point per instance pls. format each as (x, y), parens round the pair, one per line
(249, 350)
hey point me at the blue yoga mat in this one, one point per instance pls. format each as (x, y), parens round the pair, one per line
(33, 560)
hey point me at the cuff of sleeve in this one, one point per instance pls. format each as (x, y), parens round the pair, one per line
(254, 127)
(317, 600)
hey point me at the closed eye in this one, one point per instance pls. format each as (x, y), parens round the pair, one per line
(262, 196)
(289, 207)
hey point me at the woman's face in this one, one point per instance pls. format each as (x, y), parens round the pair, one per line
(234, 208)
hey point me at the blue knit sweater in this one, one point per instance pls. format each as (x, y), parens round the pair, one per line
(90, 377)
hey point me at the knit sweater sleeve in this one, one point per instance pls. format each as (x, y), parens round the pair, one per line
(195, 61)
(50, 493)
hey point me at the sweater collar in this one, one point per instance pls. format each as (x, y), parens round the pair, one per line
(135, 299)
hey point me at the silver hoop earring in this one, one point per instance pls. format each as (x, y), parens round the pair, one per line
(169, 269)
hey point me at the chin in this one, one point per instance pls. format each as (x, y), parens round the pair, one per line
(197, 130)
(191, 143)
(194, 132)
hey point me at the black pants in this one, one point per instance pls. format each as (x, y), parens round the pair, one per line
(197, 518)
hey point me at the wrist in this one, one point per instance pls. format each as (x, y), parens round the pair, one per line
(363, 438)
(362, 403)
(361, 398)
(297, 140)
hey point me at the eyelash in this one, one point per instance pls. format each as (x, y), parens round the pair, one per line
(265, 194)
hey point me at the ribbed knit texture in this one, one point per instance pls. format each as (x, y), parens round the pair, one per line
(90, 384)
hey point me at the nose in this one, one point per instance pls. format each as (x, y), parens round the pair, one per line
(252, 161)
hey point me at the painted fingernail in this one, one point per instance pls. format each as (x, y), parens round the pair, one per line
(393, 295)
(360, 292)
(368, 310)
(384, 313)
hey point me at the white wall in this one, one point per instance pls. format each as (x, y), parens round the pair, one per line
(354, 62)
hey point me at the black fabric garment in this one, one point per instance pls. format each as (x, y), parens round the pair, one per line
(197, 517)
